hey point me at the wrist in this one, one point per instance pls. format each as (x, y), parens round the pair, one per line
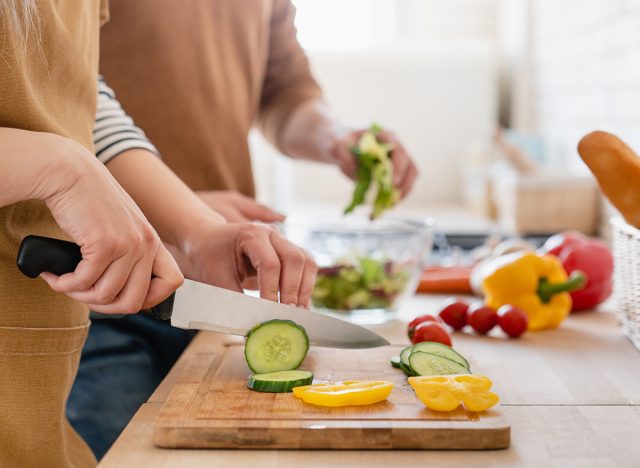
(195, 231)
(59, 164)
(334, 144)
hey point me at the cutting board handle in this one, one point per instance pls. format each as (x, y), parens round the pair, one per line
(38, 254)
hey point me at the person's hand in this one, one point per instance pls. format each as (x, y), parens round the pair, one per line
(120, 249)
(237, 208)
(405, 171)
(228, 255)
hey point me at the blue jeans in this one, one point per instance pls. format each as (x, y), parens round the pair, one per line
(122, 363)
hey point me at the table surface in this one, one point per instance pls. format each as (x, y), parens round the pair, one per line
(572, 397)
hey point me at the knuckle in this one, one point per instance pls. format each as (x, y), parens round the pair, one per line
(148, 235)
(132, 306)
(105, 296)
(81, 284)
(270, 265)
(296, 259)
(177, 280)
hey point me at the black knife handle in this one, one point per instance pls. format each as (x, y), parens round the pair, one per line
(38, 254)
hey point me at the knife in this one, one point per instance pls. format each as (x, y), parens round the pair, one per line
(205, 307)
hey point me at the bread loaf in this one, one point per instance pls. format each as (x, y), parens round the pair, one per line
(617, 169)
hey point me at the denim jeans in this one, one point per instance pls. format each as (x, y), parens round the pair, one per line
(123, 361)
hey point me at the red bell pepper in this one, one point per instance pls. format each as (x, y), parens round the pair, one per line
(591, 256)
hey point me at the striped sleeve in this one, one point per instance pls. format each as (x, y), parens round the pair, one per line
(114, 131)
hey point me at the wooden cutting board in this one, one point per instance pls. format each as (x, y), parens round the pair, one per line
(214, 409)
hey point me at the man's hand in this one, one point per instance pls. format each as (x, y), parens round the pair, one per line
(405, 171)
(238, 208)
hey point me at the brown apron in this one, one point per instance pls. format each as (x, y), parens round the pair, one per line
(41, 335)
(51, 89)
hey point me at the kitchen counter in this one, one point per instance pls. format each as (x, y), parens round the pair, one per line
(572, 397)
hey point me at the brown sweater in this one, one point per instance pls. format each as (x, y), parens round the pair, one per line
(196, 74)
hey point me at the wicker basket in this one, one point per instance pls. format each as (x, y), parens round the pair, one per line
(626, 252)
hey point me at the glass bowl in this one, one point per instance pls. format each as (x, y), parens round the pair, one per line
(366, 269)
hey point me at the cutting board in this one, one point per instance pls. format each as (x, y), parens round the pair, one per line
(212, 408)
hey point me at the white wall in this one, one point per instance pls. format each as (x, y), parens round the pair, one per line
(432, 79)
(586, 58)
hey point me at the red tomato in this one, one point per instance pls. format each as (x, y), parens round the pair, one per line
(482, 318)
(454, 313)
(431, 331)
(418, 320)
(512, 320)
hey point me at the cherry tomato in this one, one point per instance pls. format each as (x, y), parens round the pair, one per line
(454, 313)
(418, 320)
(482, 318)
(512, 320)
(431, 331)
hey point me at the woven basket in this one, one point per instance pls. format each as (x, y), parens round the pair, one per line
(626, 253)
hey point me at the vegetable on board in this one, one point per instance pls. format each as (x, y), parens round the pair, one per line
(279, 382)
(446, 393)
(347, 393)
(275, 345)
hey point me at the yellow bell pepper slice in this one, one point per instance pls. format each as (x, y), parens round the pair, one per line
(446, 393)
(438, 400)
(347, 393)
(480, 401)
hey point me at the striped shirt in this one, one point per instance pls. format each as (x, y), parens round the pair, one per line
(114, 131)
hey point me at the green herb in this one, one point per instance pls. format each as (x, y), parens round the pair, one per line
(374, 167)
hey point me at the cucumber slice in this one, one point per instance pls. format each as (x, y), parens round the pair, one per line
(275, 345)
(279, 382)
(431, 364)
(407, 370)
(441, 350)
(395, 361)
(404, 355)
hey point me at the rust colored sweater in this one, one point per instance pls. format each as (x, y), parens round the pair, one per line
(196, 75)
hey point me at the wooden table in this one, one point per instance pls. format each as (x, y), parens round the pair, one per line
(572, 397)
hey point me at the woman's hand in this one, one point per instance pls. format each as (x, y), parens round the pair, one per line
(237, 208)
(120, 249)
(230, 254)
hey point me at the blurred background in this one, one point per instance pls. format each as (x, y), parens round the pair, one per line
(489, 96)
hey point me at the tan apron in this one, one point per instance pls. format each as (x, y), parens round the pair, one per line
(41, 332)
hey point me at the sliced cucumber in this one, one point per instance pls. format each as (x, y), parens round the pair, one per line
(431, 364)
(404, 355)
(395, 361)
(407, 370)
(279, 382)
(440, 350)
(275, 345)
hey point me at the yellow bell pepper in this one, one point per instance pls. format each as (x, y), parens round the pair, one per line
(446, 393)
(347, 393)
(537, 284)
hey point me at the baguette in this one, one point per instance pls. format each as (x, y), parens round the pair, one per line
(617, 170)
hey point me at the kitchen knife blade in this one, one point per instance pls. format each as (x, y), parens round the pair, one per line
(204, 307)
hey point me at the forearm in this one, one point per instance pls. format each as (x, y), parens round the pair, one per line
(311, 133)
(36, 165)
(173, 209)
